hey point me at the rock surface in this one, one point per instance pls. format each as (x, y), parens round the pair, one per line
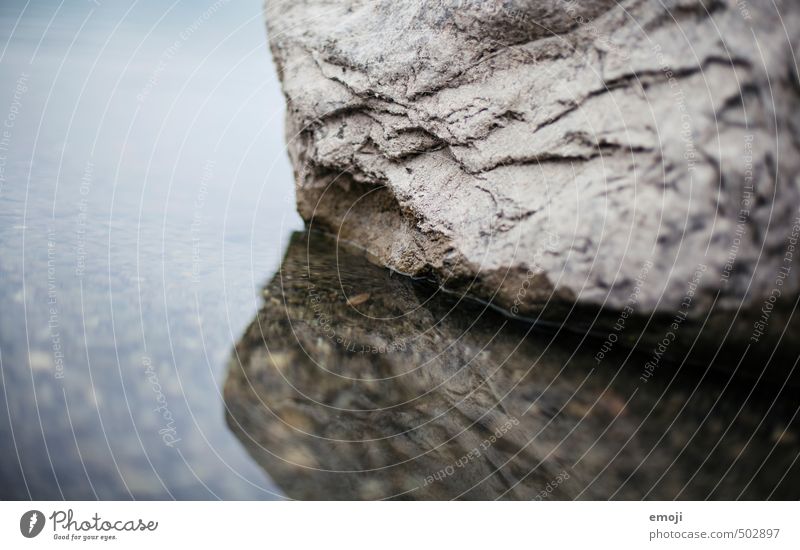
(546, 154)
(353, 382)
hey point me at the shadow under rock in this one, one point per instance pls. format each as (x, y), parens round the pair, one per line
(354, 382)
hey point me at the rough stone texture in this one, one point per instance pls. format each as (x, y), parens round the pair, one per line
(355, 383)
(555, 146)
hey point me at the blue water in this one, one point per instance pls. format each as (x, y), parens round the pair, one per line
(145, 197)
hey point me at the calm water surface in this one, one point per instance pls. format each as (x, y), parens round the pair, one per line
(151, 348)
(145, 197)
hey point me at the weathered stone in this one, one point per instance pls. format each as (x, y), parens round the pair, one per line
(356, 383)
(540, 153)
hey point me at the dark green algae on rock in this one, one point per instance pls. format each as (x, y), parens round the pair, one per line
(354, 382)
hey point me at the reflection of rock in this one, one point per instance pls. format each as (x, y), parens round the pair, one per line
(475, 140)
(406, 392)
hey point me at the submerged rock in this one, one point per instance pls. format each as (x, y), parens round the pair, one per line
(354, 382)
(601, 155)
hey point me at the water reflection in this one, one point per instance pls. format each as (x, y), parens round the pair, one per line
(356, 383)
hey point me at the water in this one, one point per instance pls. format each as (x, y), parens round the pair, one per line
(145, 197)
(355, 383)
(166, 333)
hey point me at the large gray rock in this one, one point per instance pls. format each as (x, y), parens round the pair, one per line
(637, 156)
